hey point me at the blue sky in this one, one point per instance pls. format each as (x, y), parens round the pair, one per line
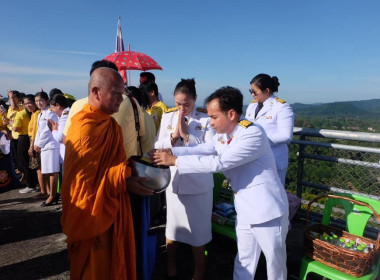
(321, 51)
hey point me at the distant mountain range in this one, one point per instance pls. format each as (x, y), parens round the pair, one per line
(362, 108)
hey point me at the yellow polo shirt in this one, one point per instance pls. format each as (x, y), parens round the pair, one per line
(33, 125)
(21, 121)
(156, 111)
(11, 116)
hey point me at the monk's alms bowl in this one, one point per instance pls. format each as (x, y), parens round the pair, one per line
(158, 175)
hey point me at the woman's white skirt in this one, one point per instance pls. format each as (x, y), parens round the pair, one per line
(189, 217)
(49, 161)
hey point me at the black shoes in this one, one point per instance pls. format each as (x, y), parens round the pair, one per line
(54, 201)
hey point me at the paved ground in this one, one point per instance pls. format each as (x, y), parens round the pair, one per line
(32, 245)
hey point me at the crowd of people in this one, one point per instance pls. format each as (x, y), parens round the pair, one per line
(30, 125)
(90, 142)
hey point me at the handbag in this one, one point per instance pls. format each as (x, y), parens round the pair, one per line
(35, 160)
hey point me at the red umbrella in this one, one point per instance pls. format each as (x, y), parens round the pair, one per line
(131, 60)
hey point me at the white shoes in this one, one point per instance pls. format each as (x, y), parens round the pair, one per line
(27, 190)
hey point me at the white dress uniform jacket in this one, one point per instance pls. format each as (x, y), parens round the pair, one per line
(58, 134)
(200, 131)
(277, 118)
(248, 162)
(44, 138)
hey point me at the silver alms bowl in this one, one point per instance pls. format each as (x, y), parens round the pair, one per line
(158, 175)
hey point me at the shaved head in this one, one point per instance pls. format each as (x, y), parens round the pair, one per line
(105, 90)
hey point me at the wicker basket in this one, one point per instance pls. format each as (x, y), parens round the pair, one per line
(348, 261)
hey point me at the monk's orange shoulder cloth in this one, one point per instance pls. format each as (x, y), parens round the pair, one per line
(94, 195)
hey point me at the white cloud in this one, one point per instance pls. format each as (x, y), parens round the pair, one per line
(76, 87)
(13, 69)
(74, 52)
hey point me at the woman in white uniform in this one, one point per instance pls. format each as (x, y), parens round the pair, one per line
(59, 106)
(48, 146)
(189, 197)
(275, 116)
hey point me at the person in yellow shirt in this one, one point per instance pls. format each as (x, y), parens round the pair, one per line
(20, 125)
(34, 156)
(157, 107)
(3, 114)
(14, 98)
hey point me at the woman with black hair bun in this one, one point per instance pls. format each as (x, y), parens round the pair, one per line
(275, 116)
(189, 196)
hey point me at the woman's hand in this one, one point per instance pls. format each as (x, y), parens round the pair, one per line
(30, 151)
(182, 126)
(52, 125)
(164, 157)
(37, 149)
(181, 129)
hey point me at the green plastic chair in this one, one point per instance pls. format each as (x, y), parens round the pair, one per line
(356, 219)
(225, 230)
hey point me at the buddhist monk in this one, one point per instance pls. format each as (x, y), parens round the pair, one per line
(96, 213)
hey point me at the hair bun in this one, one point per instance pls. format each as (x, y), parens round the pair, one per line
(275, 80)
(190, 81)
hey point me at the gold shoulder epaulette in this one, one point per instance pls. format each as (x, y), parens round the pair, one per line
(280, 100)
(245, 123)
(202, 110)
(173, 109)
(65, 112)
(253, 101)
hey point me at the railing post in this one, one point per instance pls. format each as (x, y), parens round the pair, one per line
(300, 167)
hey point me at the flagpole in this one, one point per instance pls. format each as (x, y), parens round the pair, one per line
(120, 48)
(129, 72)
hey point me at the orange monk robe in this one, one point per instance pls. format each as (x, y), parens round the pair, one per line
(95, 203)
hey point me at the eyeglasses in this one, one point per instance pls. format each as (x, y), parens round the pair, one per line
(251, 91)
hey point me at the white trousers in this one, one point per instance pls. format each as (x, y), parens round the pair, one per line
(269, 237)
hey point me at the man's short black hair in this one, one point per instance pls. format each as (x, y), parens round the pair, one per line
(103, 63)
(148, 75)
(229, 98)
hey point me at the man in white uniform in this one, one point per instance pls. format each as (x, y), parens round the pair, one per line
(242, 152)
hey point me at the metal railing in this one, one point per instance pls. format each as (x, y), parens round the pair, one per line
(329, 161)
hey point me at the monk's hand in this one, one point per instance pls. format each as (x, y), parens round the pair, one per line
(134, 185)
(164, 157)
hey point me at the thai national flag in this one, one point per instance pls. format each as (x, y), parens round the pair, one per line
(120, 48)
